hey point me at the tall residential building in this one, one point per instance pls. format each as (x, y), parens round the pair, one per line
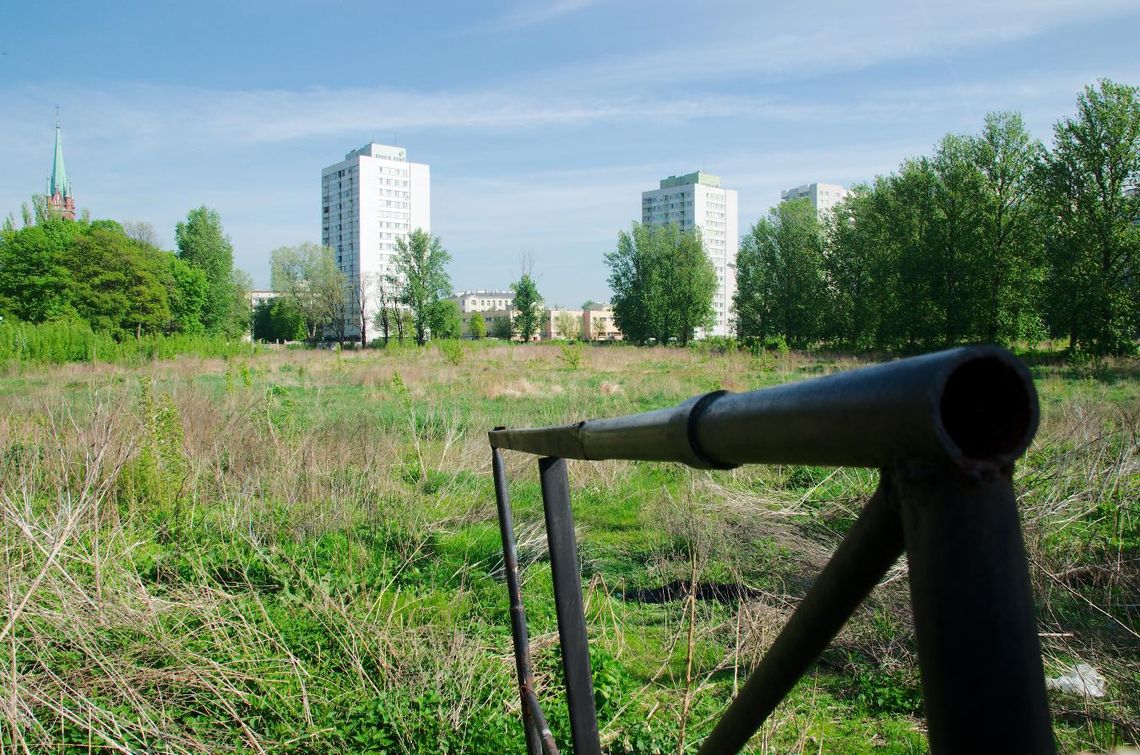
(59, 196)
(697, 200)
(369, 200)
(823, 196)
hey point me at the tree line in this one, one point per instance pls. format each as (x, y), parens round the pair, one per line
(663, 284)
(318, 300)
(993, 237)
(113, 278)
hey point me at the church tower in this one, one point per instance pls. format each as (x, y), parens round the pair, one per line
(60, 199)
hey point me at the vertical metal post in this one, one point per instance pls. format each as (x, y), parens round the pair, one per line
(518, 613)
(982, 678)
(568, 604)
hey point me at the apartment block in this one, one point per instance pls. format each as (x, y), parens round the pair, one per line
(370, 200)
(698, 201)
(823, 197)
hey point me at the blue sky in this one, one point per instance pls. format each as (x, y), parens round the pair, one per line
(542, 121)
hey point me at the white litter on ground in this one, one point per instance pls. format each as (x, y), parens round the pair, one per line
(1082, 679)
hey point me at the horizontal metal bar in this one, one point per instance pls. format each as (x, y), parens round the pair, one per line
(974, 406)
(872, 544)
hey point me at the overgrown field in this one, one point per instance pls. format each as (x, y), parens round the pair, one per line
(298, 552)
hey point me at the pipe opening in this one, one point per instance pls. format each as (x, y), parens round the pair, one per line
(987, 409)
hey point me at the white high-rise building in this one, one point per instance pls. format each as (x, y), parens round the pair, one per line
(697, 200)
(369, 200)
(823, 196)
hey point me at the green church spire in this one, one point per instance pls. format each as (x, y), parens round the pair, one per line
(58, 181)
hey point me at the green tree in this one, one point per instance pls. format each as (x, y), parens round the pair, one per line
(856, 267)
(202, 242)
(780, 276)
(884, 262)
(920, 237)
(929, 226)
(955, 243)
(1011, 265)
(187, 295)
(385, 320)
(567, 326)
(263, 329)
(278, 320)
(241, 317)
(1089, 188)
(503, 328)
(405, 324)
(636, 280)
(948, 249)
(527, 307)
(421, 275)
(663, 284)
(691, 286)
(445, 320)
(35, 282)
(307, 276)
(477, 326)
(119, 285)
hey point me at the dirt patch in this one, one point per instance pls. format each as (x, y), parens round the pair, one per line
(523, 388)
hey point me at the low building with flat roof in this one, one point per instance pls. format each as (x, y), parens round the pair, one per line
(482, 300)
(598, 323)
(562, 324)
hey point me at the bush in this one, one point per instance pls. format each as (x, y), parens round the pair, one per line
(477, 327)
(73, 341)
(757, 346)
(888, 693)
(716, 345)
(503, 329)
(452, 351)
(571, 355)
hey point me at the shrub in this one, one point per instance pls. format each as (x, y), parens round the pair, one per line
(477, 327)
(757, 346)
(571, 355)
(452, 351)
(73, 341)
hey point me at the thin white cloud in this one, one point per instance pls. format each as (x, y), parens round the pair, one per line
(187, 116)
(528, 14)
(831, 36)
(143, 116)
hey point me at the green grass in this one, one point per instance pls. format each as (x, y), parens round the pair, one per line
(297, 551)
